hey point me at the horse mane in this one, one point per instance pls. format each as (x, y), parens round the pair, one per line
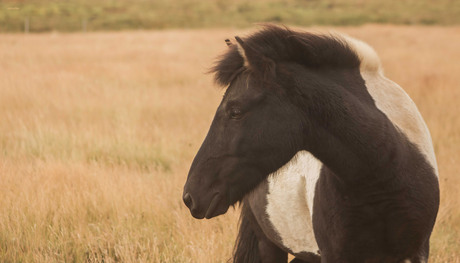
(281, 44)
(246, 249)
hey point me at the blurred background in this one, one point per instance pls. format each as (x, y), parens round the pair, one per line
(103, 105)
(83, 15)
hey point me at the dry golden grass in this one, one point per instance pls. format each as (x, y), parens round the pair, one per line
(98, 130)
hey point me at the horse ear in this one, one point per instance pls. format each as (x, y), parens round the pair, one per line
(254, 59)
(241, 50)
(228, 42)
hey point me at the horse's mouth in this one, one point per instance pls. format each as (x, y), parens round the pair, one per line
(213, 206)
(216, 207)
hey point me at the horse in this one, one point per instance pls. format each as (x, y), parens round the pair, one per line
(329, 160)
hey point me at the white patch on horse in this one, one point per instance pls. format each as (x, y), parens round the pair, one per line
(290, 202)
(392, 100)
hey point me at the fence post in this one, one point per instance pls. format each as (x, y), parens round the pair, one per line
(83, 24)
(26, 25)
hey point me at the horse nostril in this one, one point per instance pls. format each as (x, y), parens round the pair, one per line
(188, 200)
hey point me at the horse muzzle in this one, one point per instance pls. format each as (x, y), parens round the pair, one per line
(205, 207)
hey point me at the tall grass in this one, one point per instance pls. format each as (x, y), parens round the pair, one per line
(98, 130)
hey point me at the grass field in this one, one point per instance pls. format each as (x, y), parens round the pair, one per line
(78, 15)
(98, 130)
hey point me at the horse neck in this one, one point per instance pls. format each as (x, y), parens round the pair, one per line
(345, 130)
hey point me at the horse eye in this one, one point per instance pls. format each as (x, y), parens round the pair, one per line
(235, 113)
